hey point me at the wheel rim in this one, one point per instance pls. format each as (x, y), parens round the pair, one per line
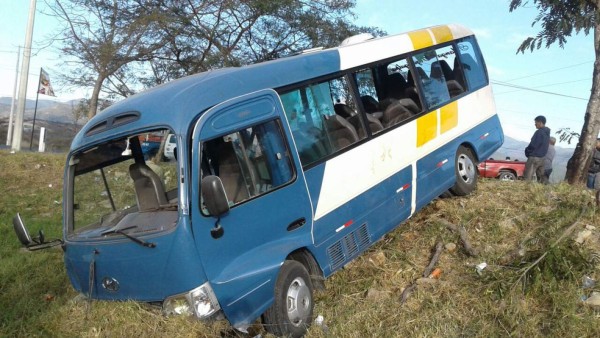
(298, 301)
(466, 169)
(507, 177)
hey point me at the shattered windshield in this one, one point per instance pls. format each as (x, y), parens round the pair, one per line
(127, 183)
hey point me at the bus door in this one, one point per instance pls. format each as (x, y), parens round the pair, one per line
(246, 142)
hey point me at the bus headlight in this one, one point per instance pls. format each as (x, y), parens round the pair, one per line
(200, 302)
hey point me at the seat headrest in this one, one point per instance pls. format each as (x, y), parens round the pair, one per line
(343, 110)
(369, 103)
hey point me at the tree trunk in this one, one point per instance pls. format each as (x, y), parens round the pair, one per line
(95, 95)
(580, 161)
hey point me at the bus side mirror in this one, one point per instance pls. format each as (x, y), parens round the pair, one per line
(22, 233)
(214, 196)
(26, 239)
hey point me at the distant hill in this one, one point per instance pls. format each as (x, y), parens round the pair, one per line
(30, 104)
(47, 110)
(515, 150)
(55, 116)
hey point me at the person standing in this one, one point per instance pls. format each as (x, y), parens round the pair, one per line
(548, 161)
(593, 181)
(537, 149)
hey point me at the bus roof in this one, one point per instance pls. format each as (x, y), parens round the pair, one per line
(177, 103)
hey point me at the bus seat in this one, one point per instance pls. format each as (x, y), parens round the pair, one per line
(410, 105)
(374, 124)
(446, 70)
(441, 70)
(454, 88)
(149, 190)
(411, 78)
(341, 132)
(343, 110)
(230, 174)
(412, 94)
(386, 103)
(395, 86)
(370, 104)
(436, 72)
(395, 113)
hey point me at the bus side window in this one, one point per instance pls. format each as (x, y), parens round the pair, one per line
(432, 80)
(473, 74)
(322, 118)
(402, 100)
(394, 105)
(250, 162)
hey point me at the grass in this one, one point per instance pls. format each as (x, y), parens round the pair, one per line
(510, 223)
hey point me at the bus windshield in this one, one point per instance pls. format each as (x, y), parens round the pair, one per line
(121, 180)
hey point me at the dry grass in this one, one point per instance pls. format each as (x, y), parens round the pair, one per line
(510, 223)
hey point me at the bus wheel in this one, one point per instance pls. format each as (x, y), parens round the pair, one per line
(465, 171)
(292, 310)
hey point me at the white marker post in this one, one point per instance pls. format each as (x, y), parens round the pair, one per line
(42, 143)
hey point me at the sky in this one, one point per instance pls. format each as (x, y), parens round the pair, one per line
(558, 80)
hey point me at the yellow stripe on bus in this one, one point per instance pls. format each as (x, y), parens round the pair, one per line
(448, 116)
(420, 39)
(426, 128)
(442, 34)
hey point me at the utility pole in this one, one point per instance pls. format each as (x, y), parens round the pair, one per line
(12, 102)
(18, 131)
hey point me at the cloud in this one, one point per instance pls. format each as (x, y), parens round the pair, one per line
(483, 33)
(495, 72)
(516, 39)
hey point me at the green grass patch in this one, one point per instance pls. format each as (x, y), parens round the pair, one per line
(511, 224)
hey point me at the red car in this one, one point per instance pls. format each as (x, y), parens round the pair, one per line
(504, 170)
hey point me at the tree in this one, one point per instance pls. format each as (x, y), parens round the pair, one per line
(559, 19)
(205, 35)
(101, 37)
(116, 45)
(80, 110)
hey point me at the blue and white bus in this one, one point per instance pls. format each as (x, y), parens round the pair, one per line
(283, 172)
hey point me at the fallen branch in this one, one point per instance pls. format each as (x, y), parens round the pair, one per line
(439, 247)
(464, 237)
(407, 291)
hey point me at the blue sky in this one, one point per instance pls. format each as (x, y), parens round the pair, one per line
(565, 71)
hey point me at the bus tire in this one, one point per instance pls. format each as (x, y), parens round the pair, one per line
(291, 313)
(465, 169)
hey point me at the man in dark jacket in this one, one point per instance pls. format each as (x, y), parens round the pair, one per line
(536, 150)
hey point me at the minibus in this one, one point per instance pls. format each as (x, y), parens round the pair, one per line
(283, 172)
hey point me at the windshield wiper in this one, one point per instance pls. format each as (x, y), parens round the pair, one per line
(135, 239)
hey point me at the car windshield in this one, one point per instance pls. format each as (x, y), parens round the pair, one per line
(123, 183)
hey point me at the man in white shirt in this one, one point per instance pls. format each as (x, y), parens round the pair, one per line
(548, 161)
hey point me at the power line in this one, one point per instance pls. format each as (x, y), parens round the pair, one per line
(548, 85)
(549, 71)
(535, 90)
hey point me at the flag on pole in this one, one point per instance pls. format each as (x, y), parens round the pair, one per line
(45, 87)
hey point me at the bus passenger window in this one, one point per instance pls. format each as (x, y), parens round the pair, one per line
(323, 119)
(438, 79)
(249, 162)
(471, 63)
(402, 100)
(395, 105)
